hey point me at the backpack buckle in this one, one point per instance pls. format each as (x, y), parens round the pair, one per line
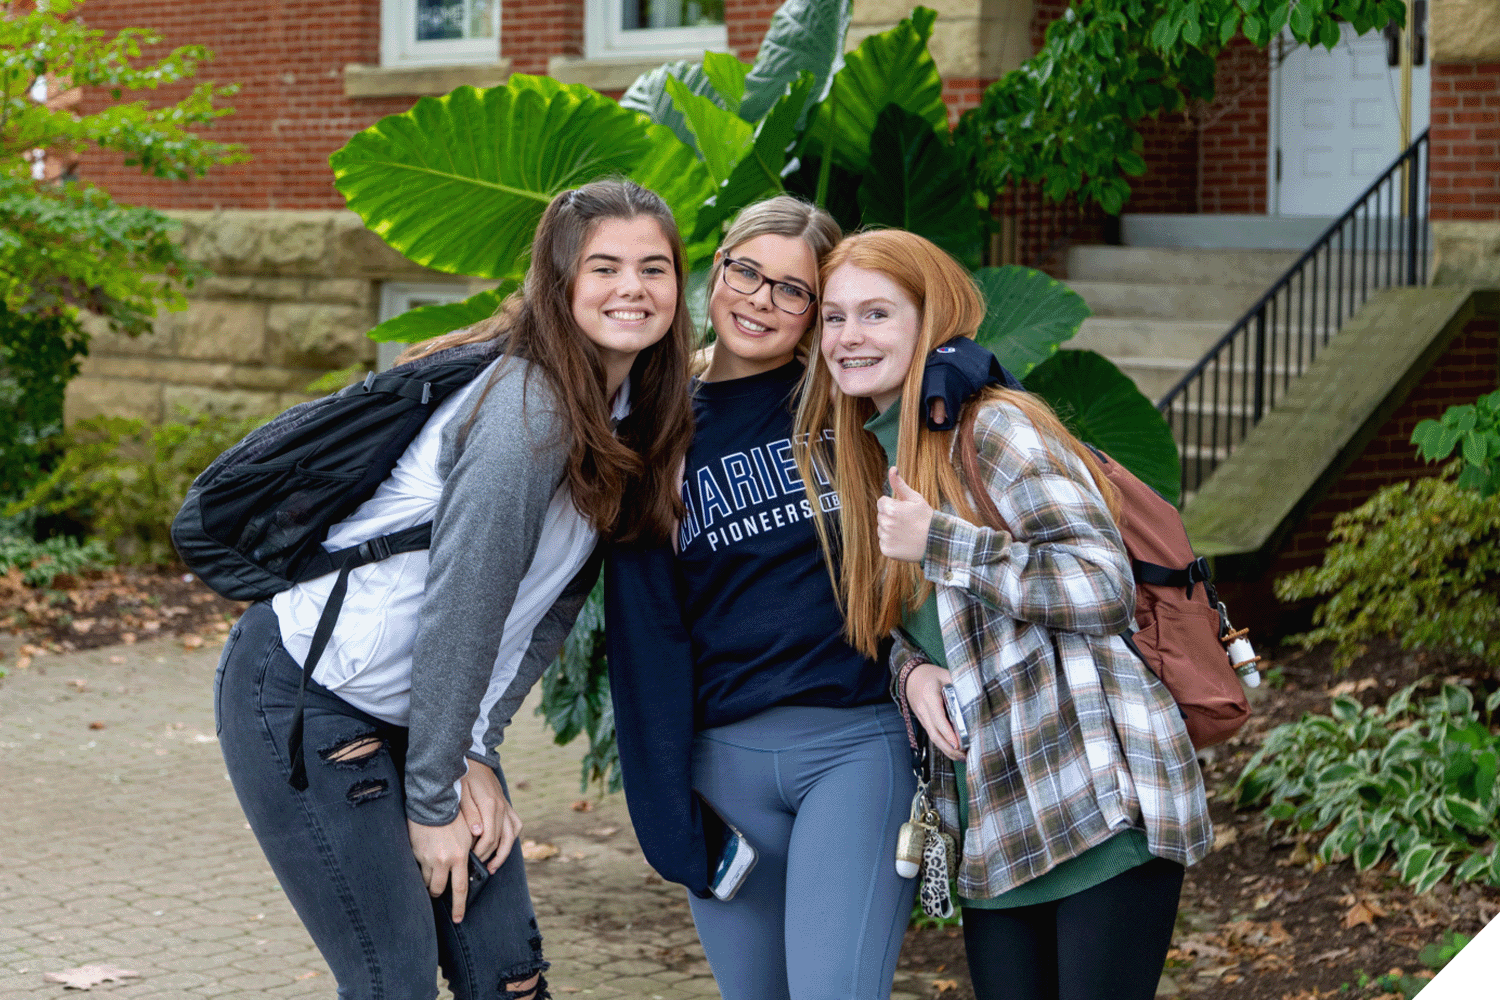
(374, 550)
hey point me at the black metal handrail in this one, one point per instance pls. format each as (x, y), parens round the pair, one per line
(1381, 241)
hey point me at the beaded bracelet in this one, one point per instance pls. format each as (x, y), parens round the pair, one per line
(901, 679)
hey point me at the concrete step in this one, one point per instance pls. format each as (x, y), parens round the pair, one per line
(1159, 266)
(1226, 303)
(1118, 338)
(1155, 375)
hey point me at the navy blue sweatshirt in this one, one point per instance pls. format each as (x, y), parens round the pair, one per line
(743, 618)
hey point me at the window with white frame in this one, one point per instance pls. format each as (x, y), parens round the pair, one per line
(433, 32)
(624, 28)
(397, 297)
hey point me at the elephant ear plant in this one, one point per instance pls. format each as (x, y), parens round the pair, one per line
(458, 183)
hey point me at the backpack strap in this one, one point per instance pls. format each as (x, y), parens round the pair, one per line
(344, 560)
(1195, 572)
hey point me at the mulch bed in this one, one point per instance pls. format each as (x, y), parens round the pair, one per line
(1260, 919)
(116, 607)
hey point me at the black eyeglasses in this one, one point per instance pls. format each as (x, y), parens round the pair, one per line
(785, 296)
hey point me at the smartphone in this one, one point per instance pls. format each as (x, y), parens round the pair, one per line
(956, 717)
(736, 859)
(479, 873)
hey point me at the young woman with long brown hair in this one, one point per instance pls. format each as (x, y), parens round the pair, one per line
(736, 698)
(996, 564)
(570, 433)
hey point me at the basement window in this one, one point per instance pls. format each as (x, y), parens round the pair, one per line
(397, 297)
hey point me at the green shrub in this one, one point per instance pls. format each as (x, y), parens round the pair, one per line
(575, 696)
(1475, 431)
(1418, 778)
(41, 562)
(125, 479)
(1420, 560)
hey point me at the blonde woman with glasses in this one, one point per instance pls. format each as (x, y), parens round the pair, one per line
(738, 703)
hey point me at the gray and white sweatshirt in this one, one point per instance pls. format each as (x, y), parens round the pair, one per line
(449, 641)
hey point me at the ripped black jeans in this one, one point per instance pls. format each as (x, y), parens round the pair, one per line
(340, 848)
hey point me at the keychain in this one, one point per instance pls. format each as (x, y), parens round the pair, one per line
(922, 847)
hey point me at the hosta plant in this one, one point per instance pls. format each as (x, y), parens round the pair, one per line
(1416, 781)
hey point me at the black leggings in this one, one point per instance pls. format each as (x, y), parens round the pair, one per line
(1108, 942)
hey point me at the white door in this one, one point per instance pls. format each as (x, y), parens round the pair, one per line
(1338, 122)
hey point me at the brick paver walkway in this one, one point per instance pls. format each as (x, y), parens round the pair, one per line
(121, 843)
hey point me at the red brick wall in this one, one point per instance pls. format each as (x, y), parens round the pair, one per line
(1466, 141)
(291, 111)
(1170, 183)
(1469, 368)
(961, 93)
(746, 22)
(533, 30)
(1236, 134)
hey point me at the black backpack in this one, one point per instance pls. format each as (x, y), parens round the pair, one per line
(254, 521)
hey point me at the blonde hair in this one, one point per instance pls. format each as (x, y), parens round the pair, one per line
(875, 590)
(783, 215)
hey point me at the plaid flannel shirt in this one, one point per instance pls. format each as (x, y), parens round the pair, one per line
(1072, 738)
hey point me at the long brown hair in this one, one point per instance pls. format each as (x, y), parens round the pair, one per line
(623, 479)
(876, 590)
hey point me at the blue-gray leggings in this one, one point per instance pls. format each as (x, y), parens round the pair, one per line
(340, 848)
(820, 793)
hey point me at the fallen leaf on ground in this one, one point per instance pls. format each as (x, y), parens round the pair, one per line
(1265, 899)
(96, 725)
(1329, 956)
(1352, 687)
(86, 977)
(944, 985)
(192, 641)
(1224, 836)
(532, 851)
(522, 785)
(117, 659)
(1259, 935)
(604, 831)
(583, 806)
(79, 684)
(22, 662)
(1197, 946)
(1359, 913)
(128, 638)
(308, 975)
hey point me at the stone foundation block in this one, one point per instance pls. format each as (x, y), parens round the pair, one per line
(179, 399)
(155, 370)
(320, 336)
(105, 339)
(1466, 253)
(90, 396)
(219, 331)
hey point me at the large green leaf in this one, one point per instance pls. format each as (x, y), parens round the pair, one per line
(648, 95)
(758, 174)
(1026, 315)
(916, 182)
(425, 322)
(458, 182)
(727, 74)
(684, 183)
(1101, 405)
(805, 36)
(892, 67)
(721, 137)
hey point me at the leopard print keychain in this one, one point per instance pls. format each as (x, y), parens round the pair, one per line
(923, 849)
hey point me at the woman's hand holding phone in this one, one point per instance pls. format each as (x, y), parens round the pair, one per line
(924, 693)
(492, 821)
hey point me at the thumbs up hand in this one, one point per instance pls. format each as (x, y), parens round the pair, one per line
(901, 521)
